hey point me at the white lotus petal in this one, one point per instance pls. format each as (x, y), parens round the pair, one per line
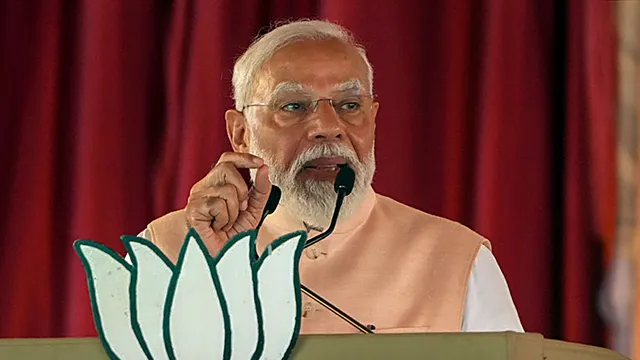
(151, 274)
(279, 296)
(196, 321)
(236, 280)
(109, 281)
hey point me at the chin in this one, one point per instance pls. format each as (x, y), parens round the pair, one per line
(313, 201)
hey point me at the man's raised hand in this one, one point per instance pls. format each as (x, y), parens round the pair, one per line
(221, 204)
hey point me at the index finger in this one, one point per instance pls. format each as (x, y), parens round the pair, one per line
(222, 174)
(241, 160)
(226, 171)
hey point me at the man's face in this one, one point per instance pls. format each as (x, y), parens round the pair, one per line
(304, 140)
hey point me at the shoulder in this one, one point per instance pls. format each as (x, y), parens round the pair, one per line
(416, 220)
(168, 233)
(170, 220)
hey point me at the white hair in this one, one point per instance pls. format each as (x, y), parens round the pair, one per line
(263, 48)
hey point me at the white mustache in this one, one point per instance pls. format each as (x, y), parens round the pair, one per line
(325, 150)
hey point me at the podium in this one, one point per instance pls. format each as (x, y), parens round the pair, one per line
(449, 346)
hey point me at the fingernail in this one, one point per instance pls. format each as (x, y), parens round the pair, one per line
(244, 205)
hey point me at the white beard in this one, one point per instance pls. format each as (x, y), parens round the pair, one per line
(313, 201)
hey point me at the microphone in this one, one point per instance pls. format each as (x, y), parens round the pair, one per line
(343, 186)
(271, 205)
(269, 208)
(345, 179)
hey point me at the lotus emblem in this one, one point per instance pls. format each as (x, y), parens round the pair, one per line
(225, 307)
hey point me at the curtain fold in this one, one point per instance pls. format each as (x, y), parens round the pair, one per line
(30, 94)
(590, 172)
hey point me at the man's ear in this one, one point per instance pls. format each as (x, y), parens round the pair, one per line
(374, 112)
(237, 130)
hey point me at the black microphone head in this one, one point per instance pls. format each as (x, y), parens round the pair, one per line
(273, 201)
(344, 180)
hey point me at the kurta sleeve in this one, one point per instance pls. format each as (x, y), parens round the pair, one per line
(489, 306)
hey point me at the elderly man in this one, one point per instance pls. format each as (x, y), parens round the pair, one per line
(304, 106)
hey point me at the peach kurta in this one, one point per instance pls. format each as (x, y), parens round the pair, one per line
(388, 265)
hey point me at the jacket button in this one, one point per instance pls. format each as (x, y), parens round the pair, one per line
(308, 309)
(312, 253)
(316, 251)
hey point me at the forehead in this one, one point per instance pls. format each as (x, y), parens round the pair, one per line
(323, 66)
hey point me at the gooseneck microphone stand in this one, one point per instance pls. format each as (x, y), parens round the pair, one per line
(343, 186)
(334, 309)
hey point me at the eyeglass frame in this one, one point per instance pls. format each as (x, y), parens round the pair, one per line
(315, 103)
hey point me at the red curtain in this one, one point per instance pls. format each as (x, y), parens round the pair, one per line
(494, 113)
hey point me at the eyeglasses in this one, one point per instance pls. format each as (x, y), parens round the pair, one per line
(299, 107)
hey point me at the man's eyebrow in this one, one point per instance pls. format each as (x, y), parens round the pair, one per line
(295, 87)
(283, 88)
(349, 85)
(287, 86)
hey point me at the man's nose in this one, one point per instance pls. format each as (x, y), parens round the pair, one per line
(326, 124)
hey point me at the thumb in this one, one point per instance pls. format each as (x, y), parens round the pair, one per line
(259, 193)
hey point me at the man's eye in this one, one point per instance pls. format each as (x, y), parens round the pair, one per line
(350, 106)
(294, 107)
